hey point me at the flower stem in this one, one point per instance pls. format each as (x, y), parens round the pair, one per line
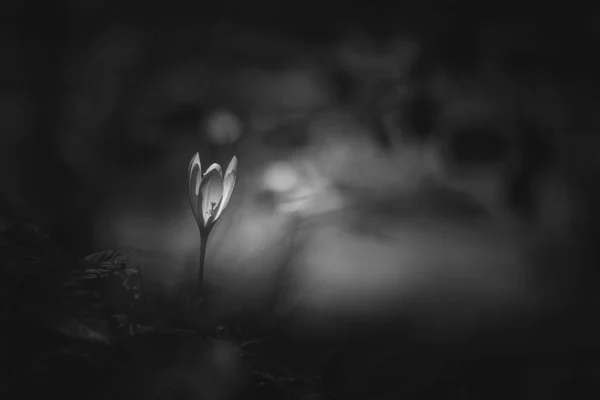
(203, 242)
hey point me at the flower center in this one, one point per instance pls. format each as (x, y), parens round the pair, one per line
(212, 209)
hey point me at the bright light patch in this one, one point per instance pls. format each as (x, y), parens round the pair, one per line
(301, 189)
(223, 127)
(280, 177)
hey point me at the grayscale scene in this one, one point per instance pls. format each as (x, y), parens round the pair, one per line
(299, 201)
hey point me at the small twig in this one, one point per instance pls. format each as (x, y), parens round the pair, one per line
(142, 289)
(284, 276)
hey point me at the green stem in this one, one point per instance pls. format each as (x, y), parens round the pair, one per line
(203, 242)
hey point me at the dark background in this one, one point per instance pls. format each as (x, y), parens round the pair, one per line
(556, 41)
(42, 37)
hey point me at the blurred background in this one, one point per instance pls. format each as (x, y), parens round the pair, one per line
(435, 165)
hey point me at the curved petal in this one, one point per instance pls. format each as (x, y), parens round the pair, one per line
(194, 180)
(211, 192)
(228, 184)
(213, 167)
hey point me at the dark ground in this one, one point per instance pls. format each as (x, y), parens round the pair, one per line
(64, 334)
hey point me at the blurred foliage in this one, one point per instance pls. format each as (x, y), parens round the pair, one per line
(61, 332)
(111, 87)
(43, 285)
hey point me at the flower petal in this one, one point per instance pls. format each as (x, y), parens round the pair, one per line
(211, 191)
(194, 180)
(228, 184)
(214, 166)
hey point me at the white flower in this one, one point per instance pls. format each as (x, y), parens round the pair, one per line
(210, 192)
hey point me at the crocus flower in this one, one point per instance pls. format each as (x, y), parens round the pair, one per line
(210, 192)
(209, 195)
